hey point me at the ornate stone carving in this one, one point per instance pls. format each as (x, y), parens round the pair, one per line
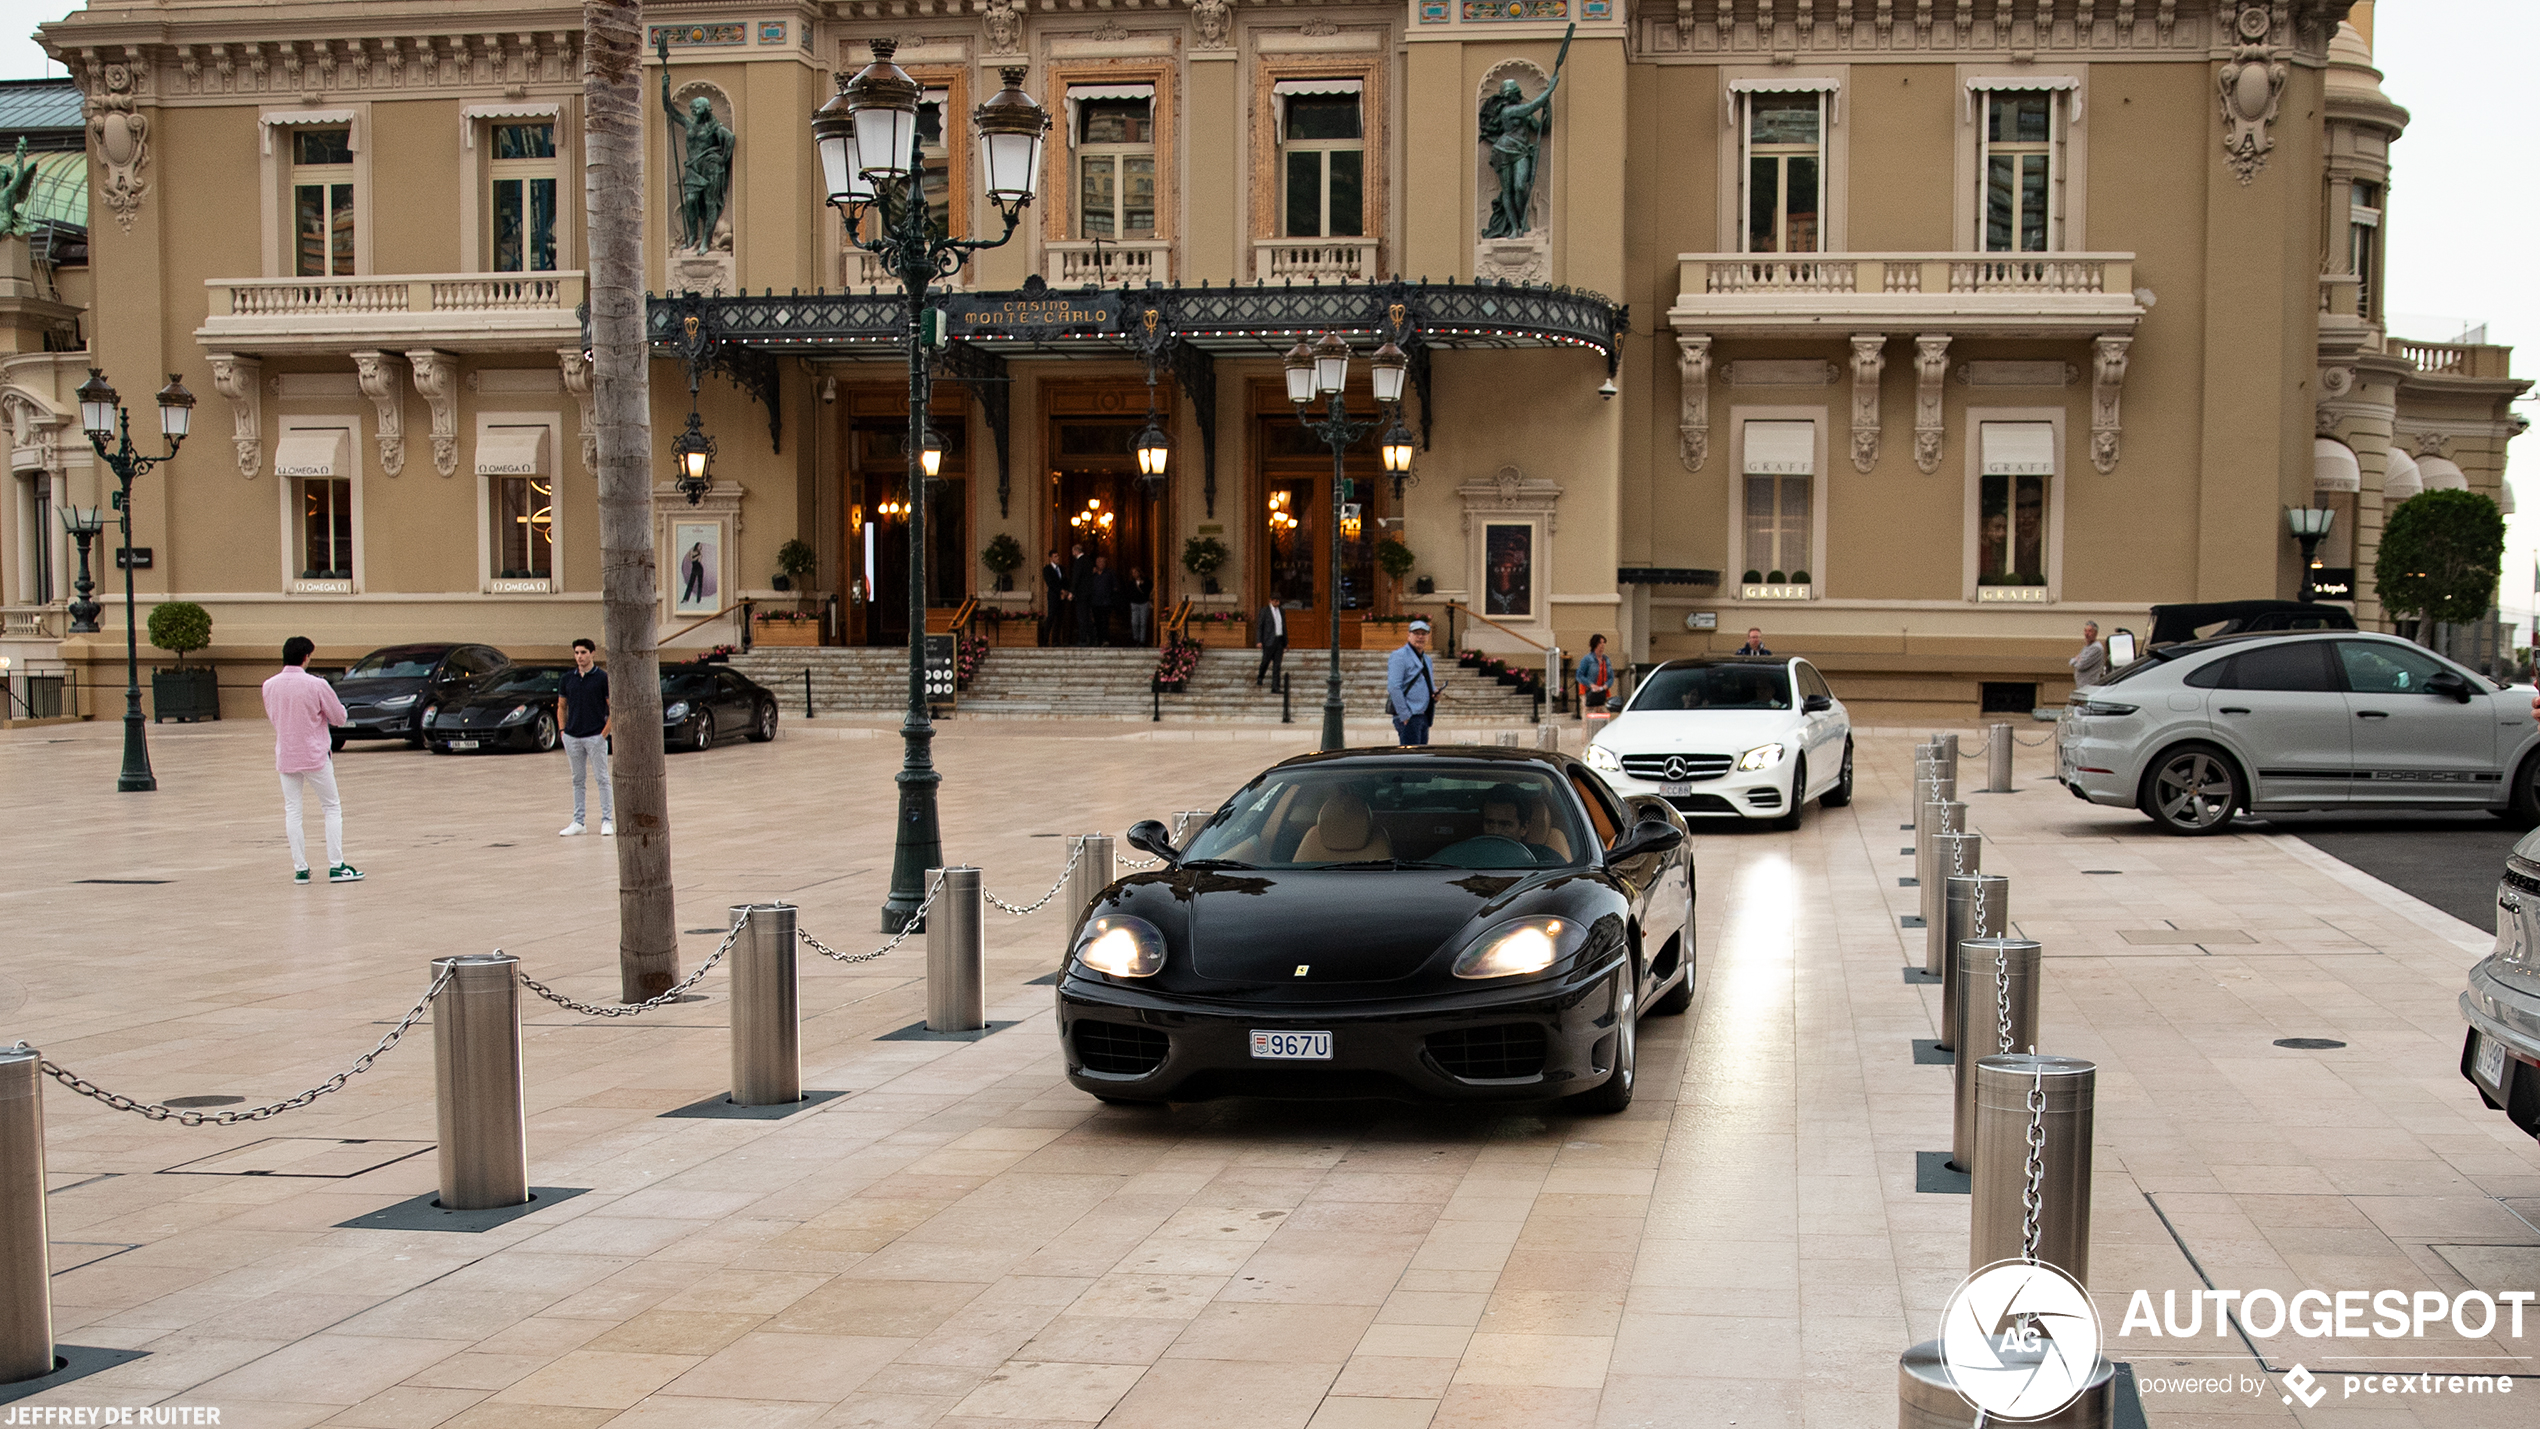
(437, 380)
(2107, 383)
(1693, 415)
(2251, 88)
(1509, 489)
(1931, 368)
(239, 382)
(2431, 443)
(1869, 359)
(383, 384)
(1318, 28)
(118, 135)
(1213, 24)
(1004, 20)
(1111, 32)
(577, 380)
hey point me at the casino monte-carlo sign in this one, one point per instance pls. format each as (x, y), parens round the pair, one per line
(1033, 315)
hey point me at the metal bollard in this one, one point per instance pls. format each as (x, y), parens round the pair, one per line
(1187, 822)
(26, 1288)
(1089, 875)
(1508, 738)
(767, 1012)
(1957, 924)
(1997, 756)
(1983, 965)
(1940, 818)
(1927, 1397)
(2003, 1084)
(1547, 736)
(476, 1080)
(957, 954)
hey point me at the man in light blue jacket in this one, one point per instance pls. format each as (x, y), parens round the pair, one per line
(1411, 685)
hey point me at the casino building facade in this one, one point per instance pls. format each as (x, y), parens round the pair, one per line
(1913, 335)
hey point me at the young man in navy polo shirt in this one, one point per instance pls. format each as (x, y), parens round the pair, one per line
(582, 711)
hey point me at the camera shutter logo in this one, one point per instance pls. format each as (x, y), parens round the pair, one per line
(2021, 1340)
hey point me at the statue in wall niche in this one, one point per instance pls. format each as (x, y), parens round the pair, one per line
(1514, 126)
(702, 155)
(1212, 19)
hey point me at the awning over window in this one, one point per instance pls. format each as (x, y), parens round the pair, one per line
(1318, 86)
(1079, 93)
(2442, 474)
(314, 451)
(2400, 478)
(303, 118)
(1827, 85)
(2019, 449)
(512, 451)
(1778, 448)
(2012, 82)
(2333, 466)
(470, 114)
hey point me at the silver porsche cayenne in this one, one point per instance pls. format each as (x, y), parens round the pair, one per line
(2501, 1055)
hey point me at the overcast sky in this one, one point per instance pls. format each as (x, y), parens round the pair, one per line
(2459, 223)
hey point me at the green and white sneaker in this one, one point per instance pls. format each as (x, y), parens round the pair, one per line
(343, 873)
(301, 878)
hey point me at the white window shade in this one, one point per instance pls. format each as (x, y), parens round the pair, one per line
(1079, 93)
(2400, 478)
(320, 452)
(2505, 498)
(1827, 85)
(1981, 84)
(2442, 474)
(470, 115)
(2019, 448)
(305, 119)
(1280, 91)
(512, 451)
(1781, 448)
(2333, 466)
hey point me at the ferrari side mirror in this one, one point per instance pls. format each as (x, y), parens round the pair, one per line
(1151, 836)
(1647, 837)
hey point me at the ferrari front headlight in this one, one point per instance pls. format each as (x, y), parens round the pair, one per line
(1762, 756)
(516, 715)
(1528, 945)
(1603, 760)
(1121, 946)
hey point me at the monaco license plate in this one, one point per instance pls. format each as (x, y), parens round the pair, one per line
(2488, 1065)
(1676, 790)
(462, 744)
(1292, 1046)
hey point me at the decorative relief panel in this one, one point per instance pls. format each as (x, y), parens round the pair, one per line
(577, 380)
(2251, 85)
(1781, 30)
(2107, 383)
(1869, 359)
(384, 385)
(118, 134)
(436, 380)
(1693, 418)
(1931, 368)
(239, 382)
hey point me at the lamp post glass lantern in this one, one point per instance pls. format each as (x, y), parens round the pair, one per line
(869, 145)
(102, 416)
(83, 525)
(2309, 525)
(1322, 369)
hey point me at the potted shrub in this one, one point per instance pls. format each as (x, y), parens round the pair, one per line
(1204, 556)
(785, 627)
(187, 692)
(1395, 560)
(1174, 665)
(1003, 557)
(1221, 629)
(795, 563)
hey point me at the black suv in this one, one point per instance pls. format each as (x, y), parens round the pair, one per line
(387, 691)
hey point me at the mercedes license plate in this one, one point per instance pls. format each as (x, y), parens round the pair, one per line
(462, 744)
(2488, 1065)
(1292, 1046)
(1676, 790)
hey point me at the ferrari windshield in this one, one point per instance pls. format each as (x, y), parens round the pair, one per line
(527, 680)
(1714, 687)
(1427, 814)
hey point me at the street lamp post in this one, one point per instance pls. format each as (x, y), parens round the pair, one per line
(2308, 525)
(83, 527)
(1323, 369)
(869, 147)
(102, 415)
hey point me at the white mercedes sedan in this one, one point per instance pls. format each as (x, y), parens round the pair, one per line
(1731, 737)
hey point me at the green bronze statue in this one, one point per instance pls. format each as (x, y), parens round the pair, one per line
(17, 179)
(702, 155)
(1514, 126)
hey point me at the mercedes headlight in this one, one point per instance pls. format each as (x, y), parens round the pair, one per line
(678, 711)
(1603, 759)
(1762, 756)
(1528, 945)
(1121, 946)
(399, 702)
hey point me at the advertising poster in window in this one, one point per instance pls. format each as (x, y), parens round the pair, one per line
(696, 567)
(1508, 554)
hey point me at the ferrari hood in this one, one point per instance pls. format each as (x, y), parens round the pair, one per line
(1354, 925)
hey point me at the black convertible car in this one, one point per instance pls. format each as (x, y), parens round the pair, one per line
(1477, 924)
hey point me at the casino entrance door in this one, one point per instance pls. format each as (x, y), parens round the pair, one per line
(1294, 511)
(877, 510)
(1095, 498)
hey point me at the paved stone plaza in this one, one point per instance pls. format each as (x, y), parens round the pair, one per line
(965, 1241)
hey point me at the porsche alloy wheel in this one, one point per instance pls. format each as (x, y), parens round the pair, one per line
(2192, 790)
(763, 728)
(1616, 1093)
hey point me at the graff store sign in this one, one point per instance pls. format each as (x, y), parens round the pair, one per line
(1034, 315)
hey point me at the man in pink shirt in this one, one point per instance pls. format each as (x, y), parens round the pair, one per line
(302, 707)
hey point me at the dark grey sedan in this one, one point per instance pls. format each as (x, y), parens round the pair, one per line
(388, 692)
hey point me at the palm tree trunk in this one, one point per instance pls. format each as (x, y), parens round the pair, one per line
(613, 186)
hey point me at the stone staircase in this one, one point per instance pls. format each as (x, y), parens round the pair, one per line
(1033, 683)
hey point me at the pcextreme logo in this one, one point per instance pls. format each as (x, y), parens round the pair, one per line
(2020, 1339)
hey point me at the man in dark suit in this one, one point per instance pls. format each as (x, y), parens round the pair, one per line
(1053, 600)
(1080, 591)
(1274, 646)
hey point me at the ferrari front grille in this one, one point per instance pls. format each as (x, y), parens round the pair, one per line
(1494, 1053)
(1120, 1049)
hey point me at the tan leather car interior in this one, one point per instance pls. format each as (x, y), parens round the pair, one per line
(1344, 832)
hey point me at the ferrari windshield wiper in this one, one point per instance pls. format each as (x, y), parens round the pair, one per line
(1386, 863)
(1215, 863)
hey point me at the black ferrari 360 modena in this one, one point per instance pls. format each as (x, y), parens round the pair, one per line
(1452, 923)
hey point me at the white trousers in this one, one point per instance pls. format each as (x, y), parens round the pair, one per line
(321, 779)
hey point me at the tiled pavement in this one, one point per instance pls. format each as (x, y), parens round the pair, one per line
(966, 1242)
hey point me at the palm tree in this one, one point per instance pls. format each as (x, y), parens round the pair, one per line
(613, 189)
